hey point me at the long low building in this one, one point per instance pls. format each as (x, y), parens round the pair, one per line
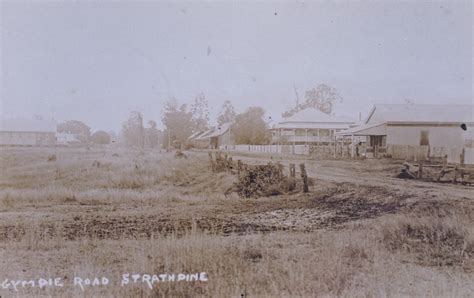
(413, 131)
(27, 132)
(309, 126)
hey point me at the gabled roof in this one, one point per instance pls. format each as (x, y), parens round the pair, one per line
(196, 134)
(221, 129)
(214, 132)
(204, 135)
(310, 125)
(372, 129)
(314, 115)
(413, 113)
(28, 125)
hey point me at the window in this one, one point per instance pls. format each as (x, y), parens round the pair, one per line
(424, 138)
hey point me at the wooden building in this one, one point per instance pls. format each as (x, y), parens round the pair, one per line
(309, 127)
(411, 131)
(27, 132)
(222, 136)
(213, 138)
(202, 140)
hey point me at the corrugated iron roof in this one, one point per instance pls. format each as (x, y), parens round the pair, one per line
(421, 113)
(196, 134)
(204, 135)
(215, 132)
(364, 130)
(314, 115)
(221, 129)
(309, 125)
(28, 125)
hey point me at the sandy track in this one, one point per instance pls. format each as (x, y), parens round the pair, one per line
(360, 173)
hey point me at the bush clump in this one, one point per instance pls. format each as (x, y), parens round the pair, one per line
(263, 180)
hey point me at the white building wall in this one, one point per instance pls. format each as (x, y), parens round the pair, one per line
(15, 138)
(26, 139)
(439, 136)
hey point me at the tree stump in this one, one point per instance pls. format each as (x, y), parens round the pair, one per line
(420, 170)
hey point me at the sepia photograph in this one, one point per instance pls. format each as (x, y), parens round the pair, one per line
(227, 148)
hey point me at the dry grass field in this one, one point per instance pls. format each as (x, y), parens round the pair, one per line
(359, 232)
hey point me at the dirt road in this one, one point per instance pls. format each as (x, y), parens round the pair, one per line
(375, 172)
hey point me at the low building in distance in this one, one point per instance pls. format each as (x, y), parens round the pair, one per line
(214, 138)
(67, 139)
(27, 132)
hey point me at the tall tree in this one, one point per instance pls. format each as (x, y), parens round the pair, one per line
(133, 130)
(178, 122)
(81, 131)
(250, 127)
(322, 98)
(152, 135)
(200, 113)
(113, 136)
(100, 137)
(227, 113)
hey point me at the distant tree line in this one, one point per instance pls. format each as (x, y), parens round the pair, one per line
(78, 129)
(100, 138)
(250, 127)
(82, 133)
(180, 120)
(134, 134)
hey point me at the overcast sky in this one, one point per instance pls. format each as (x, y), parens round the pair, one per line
(96, 62)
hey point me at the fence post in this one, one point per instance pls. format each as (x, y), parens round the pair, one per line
(455, 174)
(420, 170)
(239, 167)
(212, 162)
(305, 178)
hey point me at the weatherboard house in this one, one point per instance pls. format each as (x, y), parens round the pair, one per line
(214, 138)
(309, 126)
(191, 140)
(411, 131)
(27, 132)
